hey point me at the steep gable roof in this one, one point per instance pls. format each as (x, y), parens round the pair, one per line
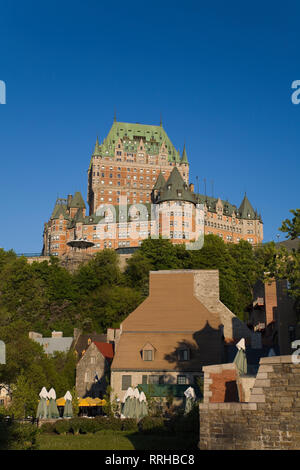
(77, 201)
(106, 349)
(160, 182)
(59, 209)
(246, 211)
(82, 342)
(171, 306)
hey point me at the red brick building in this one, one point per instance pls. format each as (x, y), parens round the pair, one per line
(136, 180)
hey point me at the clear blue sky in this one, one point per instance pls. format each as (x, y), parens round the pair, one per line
(219, 72)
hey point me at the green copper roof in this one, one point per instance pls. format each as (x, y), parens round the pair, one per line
(77, 201)
(246, 211)
(131, 134)
(59, 209)
(228, 208)
(97, 149)
(160, 182)
(176, 189)
(79, 217)
(211, 204)
(184, 156)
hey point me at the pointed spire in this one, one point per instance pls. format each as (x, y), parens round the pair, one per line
(246, 211)
(160, 182)
(184, 155)
(97, 149)
(77, 201)
(115, 116)
(160, 120)
(176, 188)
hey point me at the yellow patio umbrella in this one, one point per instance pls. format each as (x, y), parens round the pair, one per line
(60, 401)
(83, 402)
(98, 401)
(103, 402)
(91, 401)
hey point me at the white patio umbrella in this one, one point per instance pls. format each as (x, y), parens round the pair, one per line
(136, 404)
(190, 398)
(127, 397)
(68, 410)
(240, 359)
(42, 406)
(52, 408)
(143, 405)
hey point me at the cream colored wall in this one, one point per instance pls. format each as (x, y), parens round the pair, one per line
(137, 378)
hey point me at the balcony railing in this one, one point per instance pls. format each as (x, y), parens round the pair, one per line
(164, 390)
(30, 255)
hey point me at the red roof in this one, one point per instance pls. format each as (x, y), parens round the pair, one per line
(106, 349)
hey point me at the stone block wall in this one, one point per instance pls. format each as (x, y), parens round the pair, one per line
(220, 383)
(271, 420)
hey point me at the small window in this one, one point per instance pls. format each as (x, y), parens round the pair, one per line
(126, 382)
(183, 355)
(148, 355)
(153, 379)
(181, 380)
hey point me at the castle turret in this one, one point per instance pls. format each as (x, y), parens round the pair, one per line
(77, 203)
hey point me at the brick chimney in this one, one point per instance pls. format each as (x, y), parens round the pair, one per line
(270, 300)
(206, 287)
(57, 334)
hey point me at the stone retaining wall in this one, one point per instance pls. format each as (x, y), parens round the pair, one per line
(271, 420)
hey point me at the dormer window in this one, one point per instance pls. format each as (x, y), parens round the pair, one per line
(183, 354)
(179, 193)
(148, 355)
(169, 186)
(148, 352)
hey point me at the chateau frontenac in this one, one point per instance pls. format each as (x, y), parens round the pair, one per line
(137, 180)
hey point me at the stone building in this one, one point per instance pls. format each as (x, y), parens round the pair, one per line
(181, 327)
(5, 395)
(92, 369)
(273, 313)
(138, 165)
(267, 418)
(83, 340)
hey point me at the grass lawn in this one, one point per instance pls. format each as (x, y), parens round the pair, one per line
(117, 440)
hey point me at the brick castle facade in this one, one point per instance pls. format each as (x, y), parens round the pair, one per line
(137, 180)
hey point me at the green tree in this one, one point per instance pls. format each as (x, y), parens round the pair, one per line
(292, 227)
(215, 255)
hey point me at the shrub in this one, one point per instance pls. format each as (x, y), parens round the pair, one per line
(17, 436)
(185, 423)
(62, 426)
(115, 424)
(47, 428)
(152, 425)
(129, 424)
(75, 425)
(88, 426)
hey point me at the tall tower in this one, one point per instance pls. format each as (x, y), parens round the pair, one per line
(127, 163)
